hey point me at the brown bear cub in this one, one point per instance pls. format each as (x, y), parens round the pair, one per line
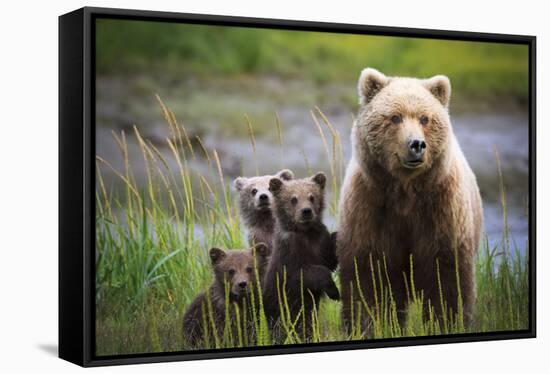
(303, 251)
(235, 276)
(256, 205)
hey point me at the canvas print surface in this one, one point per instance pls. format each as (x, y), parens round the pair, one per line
(267, 187)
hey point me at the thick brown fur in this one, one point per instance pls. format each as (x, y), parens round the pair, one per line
(302, 247)
(257, 214)
(390, 211)
(232, 269)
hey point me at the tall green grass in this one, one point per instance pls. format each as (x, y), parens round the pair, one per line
(151, 258)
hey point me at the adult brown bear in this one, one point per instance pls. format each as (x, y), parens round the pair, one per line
(408, 193)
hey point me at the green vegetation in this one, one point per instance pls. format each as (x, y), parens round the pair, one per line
(477, 70)
(152, 245)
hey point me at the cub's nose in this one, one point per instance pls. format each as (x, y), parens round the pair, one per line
(242, 284)
(417, 147)
(263, 198)
(307, 213)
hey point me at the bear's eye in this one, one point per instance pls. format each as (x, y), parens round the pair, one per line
(254, 192)
(396, 119)
(249, 270)
(231, 272)
(424, 120)
(311, 198)
(294, 200)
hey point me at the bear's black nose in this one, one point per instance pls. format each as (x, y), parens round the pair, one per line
(242, 284)
(263, 197)
(307, 213)
(417, 147)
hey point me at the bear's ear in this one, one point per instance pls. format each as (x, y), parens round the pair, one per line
(370, 83)
(285, 175)
(440, 87)
(275, 185)
(216, 255)
(262, 250)
(239, 183)
(320, 178)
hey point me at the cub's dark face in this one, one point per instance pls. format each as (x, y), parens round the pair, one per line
(237, 267)
(403, 123)
(299, 202)
(255, 196)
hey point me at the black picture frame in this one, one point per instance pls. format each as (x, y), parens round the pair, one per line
(77, 181)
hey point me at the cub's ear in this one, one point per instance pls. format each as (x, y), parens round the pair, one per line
(216, 255)
(320, 178)
(275, 185)
(239, 183)
(262, 250)
(371, 81)
(285, 175)
(440, 87)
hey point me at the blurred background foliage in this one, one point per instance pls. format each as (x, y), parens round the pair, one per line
(477, 70)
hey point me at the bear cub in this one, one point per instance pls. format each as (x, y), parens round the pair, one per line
(303, 250)
(234, 275)
(256, 205)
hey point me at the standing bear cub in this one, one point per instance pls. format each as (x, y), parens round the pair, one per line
(408, 195)
(235, 279)
(256, 205)
(303, 252)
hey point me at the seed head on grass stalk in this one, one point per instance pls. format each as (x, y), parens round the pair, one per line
(332, 162)
(122, 177)
(204, 151)
(129, 180)
(188, 201)
(306, 161)
(166, 181)
(106, 199)
(252, 141)
(179, 133)
(231, 221)
(337, 154)
(148, 157)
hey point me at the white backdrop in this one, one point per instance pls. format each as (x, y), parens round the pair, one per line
(28, 184)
